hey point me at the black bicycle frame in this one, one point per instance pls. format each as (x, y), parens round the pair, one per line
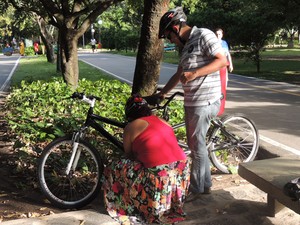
(91, 121)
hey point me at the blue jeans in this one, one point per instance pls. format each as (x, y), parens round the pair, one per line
(197, 121)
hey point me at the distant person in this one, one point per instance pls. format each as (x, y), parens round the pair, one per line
(99, 45)
(151, 182)
(220, 34)
(224, 71)
(36, 48)
(93, 43)
(22, 48)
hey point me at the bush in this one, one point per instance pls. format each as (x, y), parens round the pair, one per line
(41, 111)
(29, 51)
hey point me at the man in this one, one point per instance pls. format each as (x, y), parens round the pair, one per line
(201, 59)
(93, 43)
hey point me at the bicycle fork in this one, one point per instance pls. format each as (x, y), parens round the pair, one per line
(75, 153)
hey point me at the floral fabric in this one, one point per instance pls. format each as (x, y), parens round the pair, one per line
(151, 195)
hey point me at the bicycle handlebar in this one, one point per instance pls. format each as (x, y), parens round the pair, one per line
(152, 99)
(156, 100)
(82, 96)
(90, 99)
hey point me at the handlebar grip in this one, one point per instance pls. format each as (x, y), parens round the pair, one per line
(77, 95)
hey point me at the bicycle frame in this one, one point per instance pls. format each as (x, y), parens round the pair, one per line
(217, 123)
(92, 120)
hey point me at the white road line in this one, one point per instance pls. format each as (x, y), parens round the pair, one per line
(282, 146)
(10, 75)
(112, 74)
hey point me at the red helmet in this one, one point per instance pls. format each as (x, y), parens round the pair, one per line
(169, 19)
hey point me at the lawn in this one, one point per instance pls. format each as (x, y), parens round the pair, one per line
(278, 64)
(37, 68)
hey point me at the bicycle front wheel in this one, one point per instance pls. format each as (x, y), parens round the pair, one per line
(236, 141)
(81, 185)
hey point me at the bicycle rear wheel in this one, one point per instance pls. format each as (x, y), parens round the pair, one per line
(235, 142)
(81, 185)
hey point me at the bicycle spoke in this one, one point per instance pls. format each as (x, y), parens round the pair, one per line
(235, 142)
(80, 185)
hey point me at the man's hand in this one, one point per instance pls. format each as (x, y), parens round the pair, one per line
(187, 76)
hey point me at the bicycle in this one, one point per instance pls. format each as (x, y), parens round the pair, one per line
(231, 139)
(70, 168)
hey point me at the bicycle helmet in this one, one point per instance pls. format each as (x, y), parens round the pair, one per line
(169, 19)
(136, 107)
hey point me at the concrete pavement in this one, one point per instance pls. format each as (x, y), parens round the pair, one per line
(81, 217)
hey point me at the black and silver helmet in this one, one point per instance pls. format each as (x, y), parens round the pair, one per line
(169, 19)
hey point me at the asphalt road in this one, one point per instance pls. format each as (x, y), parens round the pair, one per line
(8, 65)
(273, 106)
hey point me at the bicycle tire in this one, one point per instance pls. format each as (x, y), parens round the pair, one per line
(81, 186)
(226, 153)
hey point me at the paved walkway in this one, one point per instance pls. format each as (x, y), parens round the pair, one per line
(239, 204)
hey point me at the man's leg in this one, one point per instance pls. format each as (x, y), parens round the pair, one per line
(197, 125)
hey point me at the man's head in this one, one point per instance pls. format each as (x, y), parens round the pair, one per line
(136, 107)
(171, 22)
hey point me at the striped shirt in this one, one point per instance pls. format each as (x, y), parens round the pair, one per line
(199, 51)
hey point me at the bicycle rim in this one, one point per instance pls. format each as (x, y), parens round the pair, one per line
(81, 185)
(239, 144)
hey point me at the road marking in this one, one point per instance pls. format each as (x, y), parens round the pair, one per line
(270, 89)
(282, 146)
(266, 139)
(110, 73)
(10, 75)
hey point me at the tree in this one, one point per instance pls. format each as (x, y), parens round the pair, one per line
(249, 24)
(72, 18)
(289, 10)
(31, 11)
(47, 38)
(150, 48)
(121, 26)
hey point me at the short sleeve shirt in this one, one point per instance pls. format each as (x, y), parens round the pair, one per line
(199, 51)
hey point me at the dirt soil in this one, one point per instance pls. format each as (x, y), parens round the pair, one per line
(233, 200)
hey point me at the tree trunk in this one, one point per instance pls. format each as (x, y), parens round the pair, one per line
(58, 55)
(150, 49)
(46, 38)
(68, 45)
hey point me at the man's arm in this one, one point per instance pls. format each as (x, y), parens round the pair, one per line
(219, 62)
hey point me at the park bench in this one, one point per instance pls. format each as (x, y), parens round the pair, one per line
(270, 176)
(169, 49)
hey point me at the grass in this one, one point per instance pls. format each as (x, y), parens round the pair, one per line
(37, 68)
(278, 64)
